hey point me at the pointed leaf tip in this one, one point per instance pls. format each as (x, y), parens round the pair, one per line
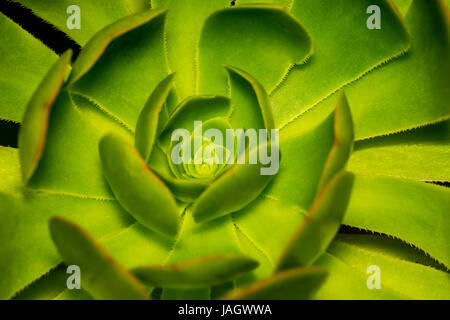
(147, 125)
(101, 275)
(137, 188)
(33, 131)
(321, 224)
(261, 96)
(343, 141)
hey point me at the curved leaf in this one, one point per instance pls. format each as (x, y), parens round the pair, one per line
(413, 90)
(122, 64)
(116, 84)
(74, 295)
(244, 114)
(183, 36)
(391, 247)
(102, 276)
(98, 118)
(137, 188)
(195, 294)
(33, 133)
(222, 196)
(231, 36)
(196, 273)
(138, 246)
(320, 225)
(147, 125)
(346, 283)
(185, 190)
(293, 284)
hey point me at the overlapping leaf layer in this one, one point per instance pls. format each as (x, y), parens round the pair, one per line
(363, 124)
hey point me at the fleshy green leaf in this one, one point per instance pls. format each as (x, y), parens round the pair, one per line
(305, 145)
(47, 287)
(343, 142)
(195, 294)
(195, 108)
(346, 283)
(392, 247)
(320, 225)
(147, 125)
(344, 50)
(414, 212)
(400, 279)
(245, 113)
(99, 119)
(201, 239)
(70, 163)
(196, 273)
(403, 5)
(232, 191)
(268, 224)
(122, 64)
(420, 154)
(137, 188)
(100, 42)
(183, 35)
(293, 284)
(33, 133)
(21, 71)
(286, 3)
(251, 249)
(137, 246)
(25, 237)
(94, 14)
(413, 90)
(231, 36)
(74, 295)
(102, 276)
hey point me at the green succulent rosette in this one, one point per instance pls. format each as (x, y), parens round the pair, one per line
(362, 118)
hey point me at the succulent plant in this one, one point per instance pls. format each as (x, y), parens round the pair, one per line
(362, 117)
